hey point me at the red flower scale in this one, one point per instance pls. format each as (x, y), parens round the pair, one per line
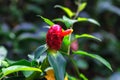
(55, 36)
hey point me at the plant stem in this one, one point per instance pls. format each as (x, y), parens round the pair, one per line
(76, 15)
(77, 12)
(70, 42)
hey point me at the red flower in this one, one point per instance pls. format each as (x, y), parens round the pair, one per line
(55, 36)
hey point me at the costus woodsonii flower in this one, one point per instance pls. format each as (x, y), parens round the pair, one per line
(55, 36)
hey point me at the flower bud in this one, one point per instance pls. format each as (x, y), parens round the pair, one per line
(55, 36)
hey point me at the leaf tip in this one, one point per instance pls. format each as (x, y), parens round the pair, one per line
(56, 6)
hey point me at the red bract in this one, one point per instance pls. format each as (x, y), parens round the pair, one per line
(55, 36)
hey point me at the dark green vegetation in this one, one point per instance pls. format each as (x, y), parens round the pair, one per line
(22, 31)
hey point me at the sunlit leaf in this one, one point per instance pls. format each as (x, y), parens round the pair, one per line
(82, 6)
(72, 78)
(66, 10)
(39, 51)
(58, 63)
(97, 57)
(83, 76)
(49, 22)
(87, 36)
(16, 68)
(81, 19)
(89, 20)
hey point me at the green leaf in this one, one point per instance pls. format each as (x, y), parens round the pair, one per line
(82, 6)
(49, 22)
(89, 20)
(97, 57)
(32, 75)
(67, 21)
(72, 78)
(3, 63)
(83, 77)
(28, 73)
(87, 36)
(81, 19)
(39, 51)
(66, 10)
(93, 21)
(58, 63)
(21, 62)
(16, 68)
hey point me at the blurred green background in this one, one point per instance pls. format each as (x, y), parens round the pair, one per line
(21, 32)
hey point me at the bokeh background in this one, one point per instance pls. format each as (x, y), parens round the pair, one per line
(22, 31)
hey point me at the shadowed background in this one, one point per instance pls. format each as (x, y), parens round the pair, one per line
(21, 32)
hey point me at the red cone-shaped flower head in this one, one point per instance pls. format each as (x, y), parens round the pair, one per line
(55, 36)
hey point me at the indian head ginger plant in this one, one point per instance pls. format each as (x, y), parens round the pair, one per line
(52, 51)
(55, 37)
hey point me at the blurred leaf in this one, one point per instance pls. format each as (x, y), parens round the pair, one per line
(39, 51)
(28, 36)
(82, 6)
(59, 19)
(58, 63)
(49, 22)
(3, 53)
(97, 57)
(68, 22)
(16, 68)
(28, 73)
(82, 64)
(89, 20)
(15, 78)
(93, 21)
(72, 78)
(34, 8)
(66, 10)
(22, 62)
(87, 36)
(3, 63)
(21, 28)
(83, 77)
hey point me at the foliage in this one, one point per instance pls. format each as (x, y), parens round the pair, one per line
(43, 58)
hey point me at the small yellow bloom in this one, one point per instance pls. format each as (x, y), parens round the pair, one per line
(50, 75)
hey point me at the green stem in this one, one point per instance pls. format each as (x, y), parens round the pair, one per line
(69, 44)
(76, 15)
(77, 12)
